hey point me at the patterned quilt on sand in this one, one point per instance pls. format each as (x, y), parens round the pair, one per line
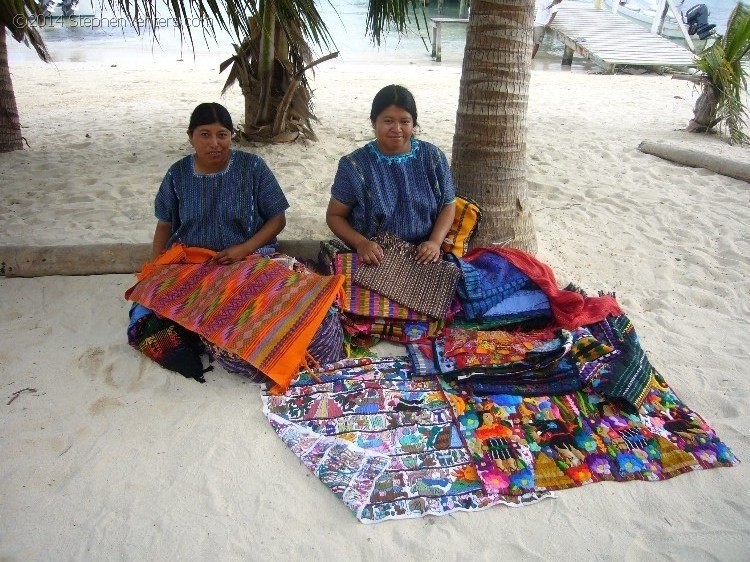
(257, 309)
(394, 445)
(520, 444)
(382, 440)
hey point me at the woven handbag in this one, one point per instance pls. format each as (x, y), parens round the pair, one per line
(427, 288)
(465, 224)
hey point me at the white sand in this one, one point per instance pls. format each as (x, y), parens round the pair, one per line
(113, 458)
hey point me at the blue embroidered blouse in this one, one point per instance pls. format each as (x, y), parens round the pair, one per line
(400, 193)
(216, 211)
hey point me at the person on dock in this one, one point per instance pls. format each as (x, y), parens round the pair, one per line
(545, 14)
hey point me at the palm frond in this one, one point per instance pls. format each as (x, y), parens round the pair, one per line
(384, 16)
(302, 23)
(229, 15)
(722, 64)
(19, 17)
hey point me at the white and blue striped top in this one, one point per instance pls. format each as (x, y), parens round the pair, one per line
(400, 193)
(216, 211)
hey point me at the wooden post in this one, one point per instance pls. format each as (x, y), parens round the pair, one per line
(463, 9)
(661, 14)
(434, 39)
(567, 59)
(438, 39)
(678, 16)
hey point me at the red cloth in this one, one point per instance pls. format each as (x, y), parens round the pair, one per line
(571, 309)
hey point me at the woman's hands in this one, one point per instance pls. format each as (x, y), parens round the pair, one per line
(428, 252)
(231, 255)
(266, 234)
(369, 252)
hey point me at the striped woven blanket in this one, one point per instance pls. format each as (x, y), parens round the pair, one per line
(257, 309)
(364, 302)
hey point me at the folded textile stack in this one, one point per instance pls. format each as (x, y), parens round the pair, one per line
(492, 362)
(367, 313)
(492, 276)
(427, 288)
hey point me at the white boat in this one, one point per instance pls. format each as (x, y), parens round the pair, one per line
(644, 12)
(68, 9)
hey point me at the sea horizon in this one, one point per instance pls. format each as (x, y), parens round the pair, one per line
(108, 37)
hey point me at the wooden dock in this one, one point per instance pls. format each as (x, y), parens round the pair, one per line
(611, 40)
(437, 36)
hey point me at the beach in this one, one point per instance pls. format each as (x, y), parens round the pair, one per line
(109, 456)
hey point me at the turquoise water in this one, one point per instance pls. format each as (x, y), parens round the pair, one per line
(104, 38)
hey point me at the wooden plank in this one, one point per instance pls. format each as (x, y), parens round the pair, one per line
(450, 20)
(99, 259)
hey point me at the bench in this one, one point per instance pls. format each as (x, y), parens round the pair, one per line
(436, 40)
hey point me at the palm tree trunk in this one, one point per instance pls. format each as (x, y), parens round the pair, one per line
(10, 124)
(704, 112)
(489, 145)
(265, 62)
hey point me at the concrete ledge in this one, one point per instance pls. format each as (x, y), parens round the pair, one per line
(101, 259)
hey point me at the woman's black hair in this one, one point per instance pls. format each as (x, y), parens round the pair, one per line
(209, 113)
(393, 95)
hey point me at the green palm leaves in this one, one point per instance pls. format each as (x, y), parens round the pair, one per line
(18, 16)
(725, 84)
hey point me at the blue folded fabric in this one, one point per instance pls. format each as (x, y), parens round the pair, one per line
(520, 302)
(486, 281)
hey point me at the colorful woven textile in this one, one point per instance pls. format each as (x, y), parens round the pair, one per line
(549, 443)
(366, 313)
(525, 306)
(385, 441)
(425, 287)
(474, 348)
(627, 374)
(487, 280)
(327, 345)
(167, 343)
(571, 309)
(382, 440)
(365, 303)
(605, 355)
(233, 363)
(546, 368)
(465, 224)
(398, 331)
(256, 309)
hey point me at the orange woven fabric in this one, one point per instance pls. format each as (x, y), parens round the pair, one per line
(257, 309)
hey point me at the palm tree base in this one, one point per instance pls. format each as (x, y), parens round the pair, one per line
(704, 113)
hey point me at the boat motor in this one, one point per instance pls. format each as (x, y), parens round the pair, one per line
(697, 20)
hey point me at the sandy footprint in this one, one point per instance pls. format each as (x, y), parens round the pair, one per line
(111, 365)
